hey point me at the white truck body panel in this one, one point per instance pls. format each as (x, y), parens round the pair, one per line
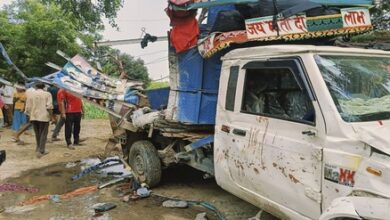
(297, 170)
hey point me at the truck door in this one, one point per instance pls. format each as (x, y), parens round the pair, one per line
(269, 134)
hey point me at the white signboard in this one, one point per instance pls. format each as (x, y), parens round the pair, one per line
(355, 17)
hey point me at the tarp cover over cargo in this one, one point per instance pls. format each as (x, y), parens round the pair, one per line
(80, 78)
(237, 22)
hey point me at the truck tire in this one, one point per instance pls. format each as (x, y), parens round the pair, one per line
(145, 163)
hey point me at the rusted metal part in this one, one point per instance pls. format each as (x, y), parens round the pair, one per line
(110, 146)
(173, 129)
(185, 136)
(197, 159)
(167, 155)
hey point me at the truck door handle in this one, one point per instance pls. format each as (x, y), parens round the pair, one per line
(239, 132)
(309, 133)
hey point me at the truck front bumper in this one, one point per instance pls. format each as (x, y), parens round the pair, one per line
(358, 208)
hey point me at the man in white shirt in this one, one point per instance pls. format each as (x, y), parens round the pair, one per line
(8, 99)
(39, 108)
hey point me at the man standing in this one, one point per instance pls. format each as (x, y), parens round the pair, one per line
(8, 98)
(58, 96)
(28, 124)
(40, 108)
(71, 110)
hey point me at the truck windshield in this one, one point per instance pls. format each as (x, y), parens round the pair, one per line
(359, 86)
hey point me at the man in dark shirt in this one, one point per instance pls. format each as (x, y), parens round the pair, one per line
(59, 122)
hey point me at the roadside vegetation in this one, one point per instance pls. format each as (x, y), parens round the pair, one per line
(157, 85)
(93, 112)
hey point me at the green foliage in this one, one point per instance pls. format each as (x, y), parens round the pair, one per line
(134, 68)
(87, 14)
(372, 37)
(157, 85)
(33, 32)
(381, 15)
(93, 112)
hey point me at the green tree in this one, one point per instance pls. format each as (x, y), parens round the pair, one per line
(87, 14)
(33, 32)
(114, 62)
(381, 15)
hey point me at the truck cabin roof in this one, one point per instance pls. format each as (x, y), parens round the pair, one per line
(282, 50)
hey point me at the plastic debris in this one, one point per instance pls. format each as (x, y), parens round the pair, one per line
(103, 207)
(201, 216)
(126, 198)
(98, 166)
(206, 205)
(55, 198)
(70, 165)
(143, 192)
(68, 195)
(109, 183)
(175, 204)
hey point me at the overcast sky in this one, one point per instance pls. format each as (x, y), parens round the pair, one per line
(135, 15)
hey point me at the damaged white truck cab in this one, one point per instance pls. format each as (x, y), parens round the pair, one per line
(303, 132)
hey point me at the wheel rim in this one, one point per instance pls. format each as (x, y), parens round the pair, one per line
(139, 164)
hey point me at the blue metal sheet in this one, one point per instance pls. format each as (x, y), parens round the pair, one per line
(188, 107)
(202, 142)
(190, 70)
(208, 108)
(196, 107)
(212, 73)
(158, 98)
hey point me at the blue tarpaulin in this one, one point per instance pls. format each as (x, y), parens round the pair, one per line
(212, 3)
(344, 2)
(9, 61)
(5, 82)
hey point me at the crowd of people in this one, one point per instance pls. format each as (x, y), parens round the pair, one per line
(34, 108)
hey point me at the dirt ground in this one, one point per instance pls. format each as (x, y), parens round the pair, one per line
(50, 175)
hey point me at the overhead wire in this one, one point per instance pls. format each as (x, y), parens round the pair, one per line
(151, 53)
(144, 20)
(161, 59)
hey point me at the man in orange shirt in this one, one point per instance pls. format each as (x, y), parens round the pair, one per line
(71, 110)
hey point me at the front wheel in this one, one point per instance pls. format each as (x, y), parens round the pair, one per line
(144, 161)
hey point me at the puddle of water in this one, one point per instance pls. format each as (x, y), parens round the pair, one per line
(56, 179)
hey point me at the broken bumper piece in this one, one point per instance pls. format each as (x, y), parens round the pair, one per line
(358, 208)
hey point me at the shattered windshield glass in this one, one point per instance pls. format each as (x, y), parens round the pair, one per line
(359, 86)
